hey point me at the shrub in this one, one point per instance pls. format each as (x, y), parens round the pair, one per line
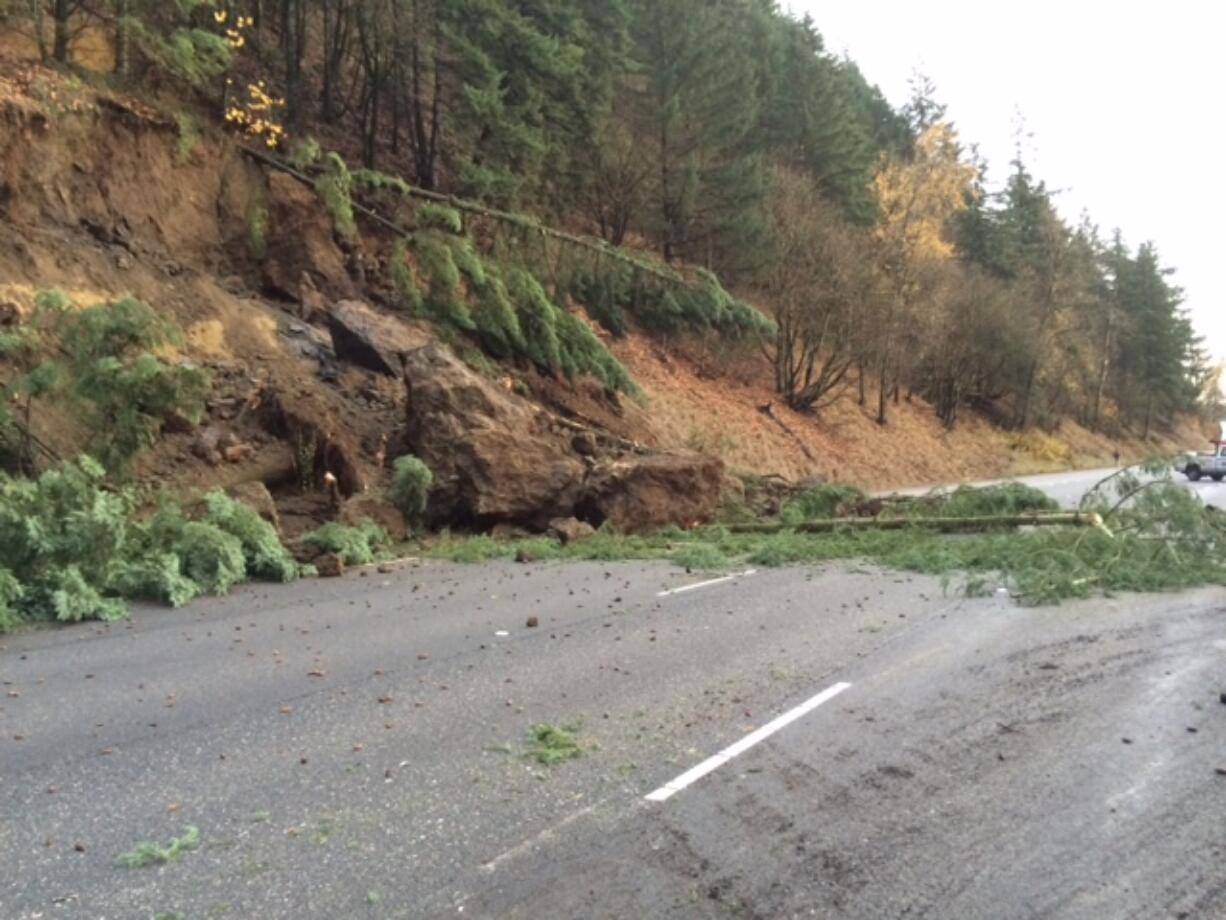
(124, 393)
(410, 489)
(11, 594)
(355, 545)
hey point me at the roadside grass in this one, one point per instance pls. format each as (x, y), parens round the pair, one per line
(149, 853)
(1161, 539)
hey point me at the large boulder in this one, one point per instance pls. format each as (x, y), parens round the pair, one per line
(300, 240)
(373, 340)
(495, 456)
(646, 492)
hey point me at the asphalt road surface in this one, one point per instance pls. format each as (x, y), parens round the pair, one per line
(804, 742)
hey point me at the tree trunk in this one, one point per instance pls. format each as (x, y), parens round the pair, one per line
(1104, 369)
(941, 524)
(123, 38)
(40, 31)
(1022, 419)
(63, 35)
(293, 44)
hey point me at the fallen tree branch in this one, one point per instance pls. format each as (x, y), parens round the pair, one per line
(940, 524)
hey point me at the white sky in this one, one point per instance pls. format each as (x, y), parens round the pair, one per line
(1120, 101)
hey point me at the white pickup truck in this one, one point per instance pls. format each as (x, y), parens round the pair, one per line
(1209, 463)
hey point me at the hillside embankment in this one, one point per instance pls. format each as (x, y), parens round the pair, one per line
(102, 196)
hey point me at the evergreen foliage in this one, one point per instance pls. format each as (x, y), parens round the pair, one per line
(334, 186)
(123, 392)
(360, 545)
(404, 279)
(72, 549)
(439, 217)
(670, 122)
(410, 488)
(445, 298)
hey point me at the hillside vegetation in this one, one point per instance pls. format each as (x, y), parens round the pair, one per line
(551, 266)
(720, 135)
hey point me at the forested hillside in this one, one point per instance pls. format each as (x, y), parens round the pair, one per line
(719, 134)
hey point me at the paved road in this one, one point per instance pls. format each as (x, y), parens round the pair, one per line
(351, 748)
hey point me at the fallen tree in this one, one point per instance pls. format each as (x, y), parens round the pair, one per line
(939, 524)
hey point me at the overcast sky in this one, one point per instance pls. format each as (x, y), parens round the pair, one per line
(1121, 103)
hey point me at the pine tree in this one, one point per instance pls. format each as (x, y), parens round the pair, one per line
(696, 110)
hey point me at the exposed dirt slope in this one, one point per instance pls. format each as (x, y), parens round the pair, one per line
(100, 197)
(724, 415)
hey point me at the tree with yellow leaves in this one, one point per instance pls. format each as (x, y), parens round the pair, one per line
(917, 197)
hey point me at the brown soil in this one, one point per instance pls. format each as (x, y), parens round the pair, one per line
(98, 199)
(687, 406)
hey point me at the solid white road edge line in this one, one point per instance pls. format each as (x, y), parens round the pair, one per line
(706, 584)
(668, 790)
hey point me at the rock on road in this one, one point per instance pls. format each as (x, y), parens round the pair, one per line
(352, 748)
